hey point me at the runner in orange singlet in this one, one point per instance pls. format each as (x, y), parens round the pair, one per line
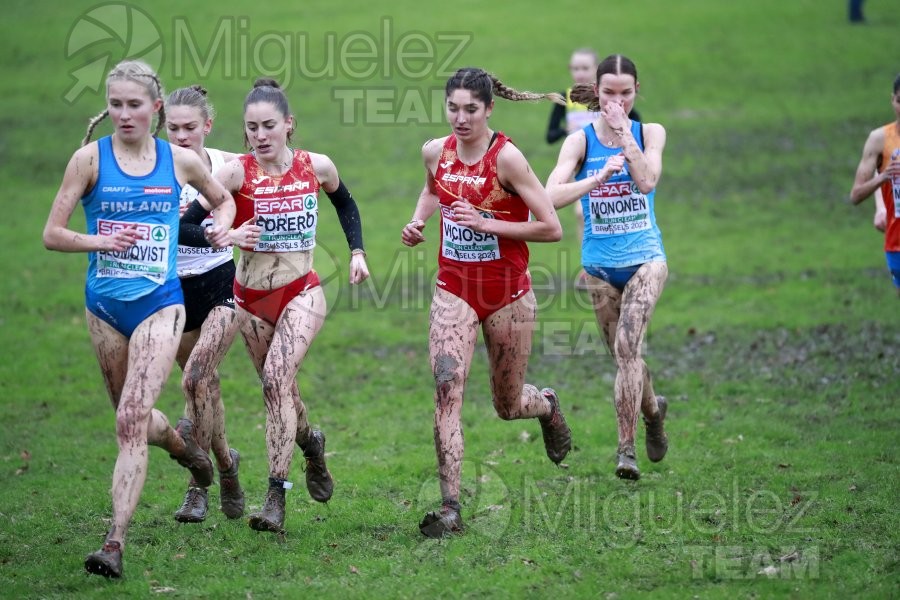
(879, 169)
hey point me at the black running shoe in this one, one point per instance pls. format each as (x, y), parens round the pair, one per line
(657, 441)
(557, 436)
(194, 459)
(231, 495)
(319, 483)
(193, 509)
(106, 561)
(627, 467)
(446, 521)
(271, 517)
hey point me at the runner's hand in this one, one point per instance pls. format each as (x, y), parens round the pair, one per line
(359, 270)
(468, 216)
(412, 233)
(246, 236)
(120, 241)
(217, 236)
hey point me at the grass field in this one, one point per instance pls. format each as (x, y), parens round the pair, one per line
(776, 339)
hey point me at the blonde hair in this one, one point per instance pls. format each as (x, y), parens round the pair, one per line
(141, 73)
(595, 58)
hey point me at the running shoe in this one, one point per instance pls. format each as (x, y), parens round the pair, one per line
(231, 495)
(193, 509)
(557, 436)
(627, 467)
(194, 459)
(446, 521)
(657, 440)
(319, 483)
(271, 517)
(106, 561)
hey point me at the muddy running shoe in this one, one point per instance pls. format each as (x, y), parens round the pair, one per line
(194, 459)
(231, 496)
(446, 521)
(319, 483)
(271, 517)
(106, 561)
(627, 467)
(557, 436)
(193, 509)
(657, 441)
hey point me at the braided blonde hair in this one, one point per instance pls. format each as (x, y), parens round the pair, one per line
(139, 72)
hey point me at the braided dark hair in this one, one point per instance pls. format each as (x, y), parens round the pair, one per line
(484, 85)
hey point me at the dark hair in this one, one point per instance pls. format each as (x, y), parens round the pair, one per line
(897, 84)
(483, 86)
(268, 90)
(615, 64)
(141, 73)
(194, 96)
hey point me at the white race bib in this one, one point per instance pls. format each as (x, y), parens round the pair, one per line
(148, 257)
(464, 244)
(287, 225)
(617, 208)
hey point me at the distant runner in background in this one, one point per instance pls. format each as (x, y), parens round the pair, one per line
(879, 170)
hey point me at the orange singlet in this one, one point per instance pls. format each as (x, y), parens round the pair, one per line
(890, 190)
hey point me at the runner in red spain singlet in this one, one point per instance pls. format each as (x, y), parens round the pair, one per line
(490, 205)
(485, 270)
(280, 303)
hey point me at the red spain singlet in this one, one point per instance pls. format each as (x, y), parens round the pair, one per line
(286, 207)
(488, 272)
(890, 190)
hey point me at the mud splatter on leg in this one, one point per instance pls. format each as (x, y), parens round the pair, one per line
(638, 301)
(507, 335)
(148, 360)
(451, 342)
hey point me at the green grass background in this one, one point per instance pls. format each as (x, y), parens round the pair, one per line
(776, 339)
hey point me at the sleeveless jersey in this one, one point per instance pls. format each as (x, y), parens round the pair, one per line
(286, 207)
(890, 190)
(620, 225)
(149, 203)
(577, 114)
(198, 260)
(472, 255)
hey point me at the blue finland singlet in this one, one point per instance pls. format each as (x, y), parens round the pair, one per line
(150, 203)
(619, 222)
